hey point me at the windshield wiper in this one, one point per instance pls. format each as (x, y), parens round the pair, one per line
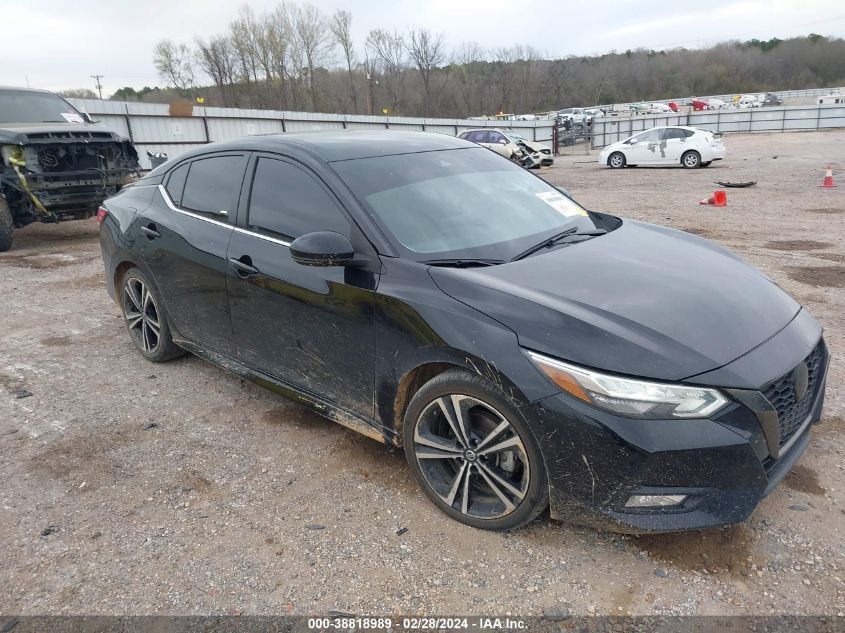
(463, 262)
(555, 239)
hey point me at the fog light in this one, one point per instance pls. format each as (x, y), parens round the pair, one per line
(652, 501)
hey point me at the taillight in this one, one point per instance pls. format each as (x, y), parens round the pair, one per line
(102, 212)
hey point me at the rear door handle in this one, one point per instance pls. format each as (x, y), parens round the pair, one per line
(243, 268)
(150, 231)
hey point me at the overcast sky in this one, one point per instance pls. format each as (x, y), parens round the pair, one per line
(57, 44)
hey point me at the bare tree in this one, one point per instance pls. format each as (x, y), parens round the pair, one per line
(313, 38)
(78, 93)
(217, 58)
(428, 51)
(341, 27)
(388, 55)
(175, 64)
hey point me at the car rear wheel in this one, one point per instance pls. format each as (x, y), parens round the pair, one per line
(691, 160)
(616, 160)
(472, 453)
(7, 226)
(145, 318)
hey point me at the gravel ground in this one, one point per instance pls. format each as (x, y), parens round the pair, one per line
(133, 488)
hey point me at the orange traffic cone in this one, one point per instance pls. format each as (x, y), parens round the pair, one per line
(828, 179)
(718, 199)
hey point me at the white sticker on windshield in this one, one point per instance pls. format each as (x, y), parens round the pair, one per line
(72, 117)
(560, 203)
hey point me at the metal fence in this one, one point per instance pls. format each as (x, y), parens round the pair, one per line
(609, 130)
(152, 129)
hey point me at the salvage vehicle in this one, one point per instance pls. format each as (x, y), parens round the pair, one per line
(771, 100)
(511, 145)
(665, 145)
(55, 163)
(525, 352)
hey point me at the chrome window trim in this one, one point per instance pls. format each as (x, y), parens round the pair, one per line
(173, 207)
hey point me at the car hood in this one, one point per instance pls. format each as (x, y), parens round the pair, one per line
(613, 146)
(642, 300)
(21, 133)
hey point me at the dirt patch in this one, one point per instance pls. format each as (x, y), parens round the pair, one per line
(196, 481)
(831, 257)
(804, 479)
(44, 261)
(719, 550)
(700, 232)
(796, 245)
(97, 280)
(81, 462)
(56, 341)
(818, 276)
(830, 210)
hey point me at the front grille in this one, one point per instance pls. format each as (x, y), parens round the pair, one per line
(65, 134)
(780, 393)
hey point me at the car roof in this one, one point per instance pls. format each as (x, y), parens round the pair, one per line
(485, 129)
(24, 89)
(336, 145)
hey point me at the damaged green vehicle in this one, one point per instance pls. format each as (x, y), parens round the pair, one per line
(55, 162)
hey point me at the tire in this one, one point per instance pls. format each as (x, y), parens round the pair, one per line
(489, 489)
(707, 164)
(691, 159)
(616, 160)
(7, 226)
(145, 319)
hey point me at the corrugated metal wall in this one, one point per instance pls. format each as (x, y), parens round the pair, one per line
(152, 129)
(609, 130)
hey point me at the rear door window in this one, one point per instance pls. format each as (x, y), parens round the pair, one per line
(286, 202)
(212, 186)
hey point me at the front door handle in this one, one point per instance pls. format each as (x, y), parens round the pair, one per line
(150, 231)
(243, 266)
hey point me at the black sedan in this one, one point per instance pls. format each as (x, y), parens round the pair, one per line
(430, 294)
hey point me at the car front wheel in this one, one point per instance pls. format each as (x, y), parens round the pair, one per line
(472, 453)
(616, 160)
(145, 318)
(691, 160)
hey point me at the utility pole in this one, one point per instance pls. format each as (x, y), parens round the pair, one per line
(99, 85)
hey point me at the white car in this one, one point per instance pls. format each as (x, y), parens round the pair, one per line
(659, 108)
(511, 145)
(576, 115)
(666, 145)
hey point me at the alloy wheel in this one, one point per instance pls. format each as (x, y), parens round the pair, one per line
(142, 315)
(617, 160)
(471, 456)
(691, 159)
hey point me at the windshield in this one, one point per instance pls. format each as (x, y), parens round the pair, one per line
(468, 203)
(21, 106)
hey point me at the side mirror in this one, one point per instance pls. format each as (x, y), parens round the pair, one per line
(632, 141)
(321, 248)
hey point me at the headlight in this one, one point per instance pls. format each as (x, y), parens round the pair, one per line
(628, 396)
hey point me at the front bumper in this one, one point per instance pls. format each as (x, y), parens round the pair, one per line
(597, 461)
